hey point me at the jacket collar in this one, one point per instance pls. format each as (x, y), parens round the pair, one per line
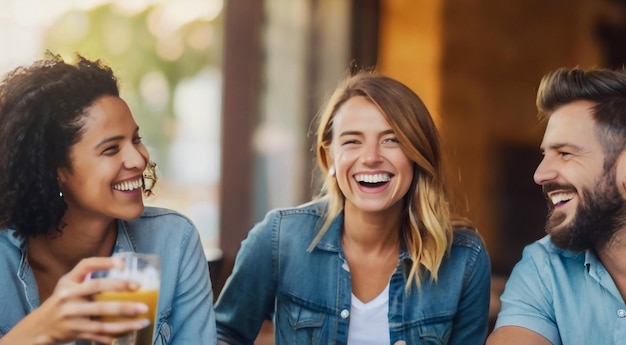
(331, 242)
(123, 242)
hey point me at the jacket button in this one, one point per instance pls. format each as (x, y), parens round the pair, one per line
(344, 314)
(621, 313)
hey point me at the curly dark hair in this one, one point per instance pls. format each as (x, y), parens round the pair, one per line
(41, 110)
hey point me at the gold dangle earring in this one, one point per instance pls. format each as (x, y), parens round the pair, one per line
(149, 178)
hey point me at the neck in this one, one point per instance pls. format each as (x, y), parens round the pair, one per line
(79, 239)
(370, 231)
(613, 252)
(612, 257)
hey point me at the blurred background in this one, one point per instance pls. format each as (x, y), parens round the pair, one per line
(168, 57)
(225, 90)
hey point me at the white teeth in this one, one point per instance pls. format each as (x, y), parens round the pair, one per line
(561, 197)
(373, 178)
(128, 185)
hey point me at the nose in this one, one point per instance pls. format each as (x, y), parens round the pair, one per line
(136, 157)
(545, 171)
(371, 154)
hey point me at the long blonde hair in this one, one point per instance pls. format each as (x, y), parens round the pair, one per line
(426, 224)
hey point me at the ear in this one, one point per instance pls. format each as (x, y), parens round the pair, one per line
(62, 176)
(620, 172)
(330, 161)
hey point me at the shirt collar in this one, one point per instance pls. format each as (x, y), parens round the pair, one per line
(17, 241)
(331, 241)
(124, 242)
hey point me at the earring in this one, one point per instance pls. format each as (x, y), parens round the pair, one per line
(331, 171)
(60, 194)
(149, 178)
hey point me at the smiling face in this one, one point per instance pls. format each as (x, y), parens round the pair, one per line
(105, 176)
(583, 198)
(372, 171)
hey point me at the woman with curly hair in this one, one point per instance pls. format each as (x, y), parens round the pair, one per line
(71, 183)
(378, 258)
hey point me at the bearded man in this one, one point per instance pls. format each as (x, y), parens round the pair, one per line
(570, 286)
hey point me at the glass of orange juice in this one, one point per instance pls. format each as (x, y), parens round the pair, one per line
(145, 270)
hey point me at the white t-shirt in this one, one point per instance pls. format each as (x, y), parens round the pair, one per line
(369, 322)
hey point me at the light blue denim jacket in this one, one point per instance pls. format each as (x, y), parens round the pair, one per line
(309, 293)
(185, 314)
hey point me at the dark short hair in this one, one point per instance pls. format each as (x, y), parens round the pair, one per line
(41, 108)
(605, 88)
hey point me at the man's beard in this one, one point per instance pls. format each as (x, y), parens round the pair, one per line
(600, 214)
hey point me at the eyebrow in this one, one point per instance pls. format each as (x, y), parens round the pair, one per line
(389, 131)
(114, 138)
(558, 146)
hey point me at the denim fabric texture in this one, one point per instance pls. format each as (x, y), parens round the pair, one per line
(567, 297)
(184, 313)
(308, 294)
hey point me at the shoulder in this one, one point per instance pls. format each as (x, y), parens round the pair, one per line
(305, 215)
(468, 247)
(162, 215)
(9, 240)
(313, 208)
(155, 221)
(10, 245)
(299, 223)
(467, 238)
(545, 249)
(163, 231)
(543, 253)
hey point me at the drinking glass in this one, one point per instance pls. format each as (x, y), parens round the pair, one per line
(145, 270)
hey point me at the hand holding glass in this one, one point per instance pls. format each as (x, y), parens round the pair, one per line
(145, 270)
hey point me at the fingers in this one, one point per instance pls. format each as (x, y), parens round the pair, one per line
(107, 310)
(73, 311)
(95, 286)
(104, 332)
(65, 291)
(97, 320)
(89, 265)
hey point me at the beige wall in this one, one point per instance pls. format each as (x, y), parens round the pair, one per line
(411, 46)
(477, 64)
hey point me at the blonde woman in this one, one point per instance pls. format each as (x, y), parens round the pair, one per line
(378, 257)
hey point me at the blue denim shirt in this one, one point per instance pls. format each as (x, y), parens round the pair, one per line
(309, 293)
(184, 314)
(567, 297)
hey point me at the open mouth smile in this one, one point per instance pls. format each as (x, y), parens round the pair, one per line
(128, 185)
(373, 180)
(561, 198)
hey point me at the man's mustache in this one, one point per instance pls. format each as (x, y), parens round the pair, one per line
(552, 186)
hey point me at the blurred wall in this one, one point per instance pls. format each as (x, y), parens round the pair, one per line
(477, 65)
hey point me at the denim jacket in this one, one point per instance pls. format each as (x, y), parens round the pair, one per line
(184, 313)
(308, 294)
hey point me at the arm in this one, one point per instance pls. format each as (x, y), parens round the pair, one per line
(514, 335)
(527, 313)
(247, 299)
(192, 318)
(471, 321)
(67, 315)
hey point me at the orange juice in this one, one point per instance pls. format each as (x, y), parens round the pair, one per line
(148, 297)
